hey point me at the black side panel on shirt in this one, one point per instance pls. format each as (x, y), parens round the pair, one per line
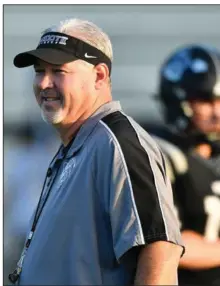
(141, 176)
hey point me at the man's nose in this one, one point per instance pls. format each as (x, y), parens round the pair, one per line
(45, 81)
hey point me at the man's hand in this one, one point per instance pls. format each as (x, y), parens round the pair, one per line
(200, 253)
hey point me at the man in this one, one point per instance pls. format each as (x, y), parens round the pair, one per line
(189, 89)
(106, 215)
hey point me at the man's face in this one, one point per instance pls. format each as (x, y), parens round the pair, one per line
(64, 92)
(206, 115)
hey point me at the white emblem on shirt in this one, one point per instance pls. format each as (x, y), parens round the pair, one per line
(66, 172)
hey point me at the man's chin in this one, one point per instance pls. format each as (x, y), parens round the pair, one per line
(52, 119)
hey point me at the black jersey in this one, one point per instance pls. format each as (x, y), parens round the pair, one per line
(196, 190)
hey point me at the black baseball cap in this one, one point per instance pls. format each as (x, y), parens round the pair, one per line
(59, 48)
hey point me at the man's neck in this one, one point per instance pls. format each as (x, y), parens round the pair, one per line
(204, 150)
(68, 131)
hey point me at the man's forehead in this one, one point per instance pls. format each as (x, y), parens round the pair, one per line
(217, 100)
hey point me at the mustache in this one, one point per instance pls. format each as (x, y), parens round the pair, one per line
(50, 92)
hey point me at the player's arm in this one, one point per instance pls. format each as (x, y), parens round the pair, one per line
(200, 254)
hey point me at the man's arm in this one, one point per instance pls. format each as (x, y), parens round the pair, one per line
(158, 263)
(200, 254)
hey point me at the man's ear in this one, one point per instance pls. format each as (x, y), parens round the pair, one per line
(102, 75)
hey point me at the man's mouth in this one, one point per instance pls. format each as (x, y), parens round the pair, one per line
(47, 98)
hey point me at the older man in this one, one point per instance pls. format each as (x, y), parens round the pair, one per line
(105, 216)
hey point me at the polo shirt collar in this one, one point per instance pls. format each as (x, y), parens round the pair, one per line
(88, 126)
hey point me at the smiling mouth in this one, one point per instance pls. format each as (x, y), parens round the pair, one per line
(47, 99)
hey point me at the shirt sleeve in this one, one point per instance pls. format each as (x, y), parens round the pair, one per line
(140, 201)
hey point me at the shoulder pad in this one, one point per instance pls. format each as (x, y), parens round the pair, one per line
(173, 154)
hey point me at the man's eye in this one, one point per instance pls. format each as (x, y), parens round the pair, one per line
(39, 71)
(59, 71)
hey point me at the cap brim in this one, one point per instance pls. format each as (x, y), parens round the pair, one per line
(52, 56)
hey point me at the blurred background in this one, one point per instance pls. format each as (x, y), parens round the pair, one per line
(142, 36)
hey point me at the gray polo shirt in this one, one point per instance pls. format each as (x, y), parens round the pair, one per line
(109, 193)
